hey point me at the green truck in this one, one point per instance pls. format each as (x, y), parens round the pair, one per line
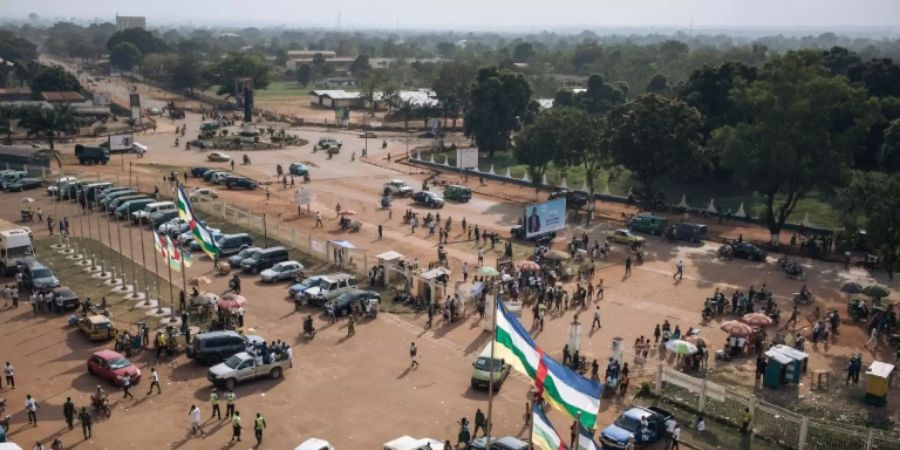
(646, 223)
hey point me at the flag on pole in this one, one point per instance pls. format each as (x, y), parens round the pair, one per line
(187, 258)
(204, 238)
(559, 385)
(586, 439)
(543, 435)
(185, 211)
(174, 255)
(160, 245)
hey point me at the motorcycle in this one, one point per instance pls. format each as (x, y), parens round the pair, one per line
(235, 284)
(803, 299)
(725, 252)
(101, 405)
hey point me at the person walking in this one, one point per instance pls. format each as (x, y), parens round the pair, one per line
(69, 412)
(236, 427)
(126, 386)
(679, 270)
(628, 265)
(214, 403)
(194, 414)
(154, 381)
(794, 313)
(9, 371)
(873, 337)
(31, 407)
(230, 399)
(86, 421)
(380, 234)
(676, 436)
(596, 321)
(670, 425)
(465, 271)
(351, 325)
(258, 427)
(413, 355)
(480, 423)
(318, 219)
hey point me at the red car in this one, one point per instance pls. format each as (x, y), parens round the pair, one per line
(112, 366)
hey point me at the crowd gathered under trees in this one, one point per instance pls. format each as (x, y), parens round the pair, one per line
(783, 117)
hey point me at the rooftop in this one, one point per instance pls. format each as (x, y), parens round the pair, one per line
(62, 96)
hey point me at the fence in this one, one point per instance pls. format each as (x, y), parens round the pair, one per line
(770, 422)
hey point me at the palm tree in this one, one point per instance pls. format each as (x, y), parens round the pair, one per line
(56, 155)
(49, 122)
(406, 109)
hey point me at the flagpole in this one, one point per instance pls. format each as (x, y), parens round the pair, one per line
(577, 427)
(171, 290)
(112, 263)
(159, 307)
(144, 261)
(490, 408)
(183, 265)
(121, 253)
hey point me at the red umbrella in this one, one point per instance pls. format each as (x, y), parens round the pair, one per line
(757, 319)
(231, 301)
(528, 266)
(735, 328)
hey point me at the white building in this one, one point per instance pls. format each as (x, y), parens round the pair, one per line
(126, 22)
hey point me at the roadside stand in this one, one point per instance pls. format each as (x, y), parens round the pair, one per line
(785, 366)
(878, 381)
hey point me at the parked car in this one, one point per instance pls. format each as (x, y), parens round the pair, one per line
(201, 194)
(457, 193)
(285, 270)
(242, 367)
(217, 157)
(314, 443)
(230, 244)
(55, 188)
(368, 134)
(210, 125)
(207, 176)
(504, 443)
(217, 346)
(329, 143)
(97, 327)
(244, 253)
(24, 184)
(747, 250)
(623, 236)
(197, 172)
(691, 232)
(428, 199)
(263, 259)
(296, 290)
(397, 188)
(66, 297)
(112, 366)
(628, 425)
(220, 177)
(38, 276)
(575, 199)
(328, 287)
(343, 303)
(646, 223)
(298, 169)
(241, 183)
(411, 443)
(161, 217)
(173, 227)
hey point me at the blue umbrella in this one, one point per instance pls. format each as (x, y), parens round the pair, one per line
(852, 288)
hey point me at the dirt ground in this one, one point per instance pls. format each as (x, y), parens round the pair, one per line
(338, 383)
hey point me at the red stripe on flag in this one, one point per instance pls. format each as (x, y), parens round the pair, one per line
(540, 374)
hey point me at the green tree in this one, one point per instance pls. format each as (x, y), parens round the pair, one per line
(304, 74)
(563, 98)
(186, 73)
(451, 87)
(871, 203)
(802, 129)
(238, 65)
(838, 60)
(536, 144)
(600, 96)
(144, 40)
(49, 122)
(709, 90)
(7, 114)
(15, 48)
(54, 78)
(584, 143)
(406, 109)
(125, 56)
(320, 67)
(498, 101)
(880, 76)
(889, 158)
(652, 136)
(522, 52)
(659, 84)
(360, 66)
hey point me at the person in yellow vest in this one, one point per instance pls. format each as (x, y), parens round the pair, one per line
(160, 343)
(230, 398)
(214, 403)
(258, 428)
(236, 426)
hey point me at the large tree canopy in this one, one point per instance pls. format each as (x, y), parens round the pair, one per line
(802, 128)
(144, 40)
(871, 203)
(186, 73)
(498, 102)
(53, 78)
(125, 56)
(600, 96)
(237, 65)
(709, 88)
(16, 49)
(654, 136)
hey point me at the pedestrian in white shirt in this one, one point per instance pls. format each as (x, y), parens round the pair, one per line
(31, 407)
(195, 421)
(676, 436)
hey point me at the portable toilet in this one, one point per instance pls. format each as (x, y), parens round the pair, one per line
(796, 370)
(878, 379)
(776, 368)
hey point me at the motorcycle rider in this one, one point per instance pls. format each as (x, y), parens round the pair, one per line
(804, 292)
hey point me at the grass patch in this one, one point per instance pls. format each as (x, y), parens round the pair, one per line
(283, 89)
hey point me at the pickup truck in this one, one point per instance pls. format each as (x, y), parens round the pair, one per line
(628, 425)
(243, 367)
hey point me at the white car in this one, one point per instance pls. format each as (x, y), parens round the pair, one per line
(218, 157)
(284, 270)
(174, 227)
(54, 188)
(201, 194)
(314, 444)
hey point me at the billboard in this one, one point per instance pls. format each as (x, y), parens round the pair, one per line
(544, 217)
(121, 143)
(467, 158)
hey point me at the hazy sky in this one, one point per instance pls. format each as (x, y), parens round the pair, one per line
(482, 14)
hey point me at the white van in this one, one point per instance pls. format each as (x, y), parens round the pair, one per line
(139, 148)
(152, 208)
(411, 443)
